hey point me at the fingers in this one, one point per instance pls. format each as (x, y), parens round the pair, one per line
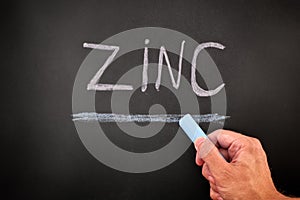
(205, 172)
(224, 138)
(199, 161)
(215, 195)
(210, 155)
(225, 154)
(213, 188)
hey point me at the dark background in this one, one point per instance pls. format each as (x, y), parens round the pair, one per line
(41, 50)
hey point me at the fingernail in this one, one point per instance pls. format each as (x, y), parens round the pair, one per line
(198, 142)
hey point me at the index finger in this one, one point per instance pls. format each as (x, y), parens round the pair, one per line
(224, 138)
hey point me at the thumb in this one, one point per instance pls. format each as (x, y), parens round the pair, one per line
(208, 152)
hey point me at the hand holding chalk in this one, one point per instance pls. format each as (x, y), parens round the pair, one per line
(245, 176)
(196, 134)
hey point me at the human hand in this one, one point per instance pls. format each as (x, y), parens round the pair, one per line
(245, 174)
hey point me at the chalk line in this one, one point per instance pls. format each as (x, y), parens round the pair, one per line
(167, 118)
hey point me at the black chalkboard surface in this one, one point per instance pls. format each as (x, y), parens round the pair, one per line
(43, 156)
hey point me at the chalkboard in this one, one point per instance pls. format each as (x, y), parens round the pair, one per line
(43, 58)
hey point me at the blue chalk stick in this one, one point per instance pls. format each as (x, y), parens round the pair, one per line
(191, 128)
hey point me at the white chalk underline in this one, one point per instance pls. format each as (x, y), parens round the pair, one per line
(167, 118)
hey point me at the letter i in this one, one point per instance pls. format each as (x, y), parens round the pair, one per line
(145, 67)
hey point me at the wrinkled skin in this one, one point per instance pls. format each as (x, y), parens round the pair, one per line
(236, 167)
